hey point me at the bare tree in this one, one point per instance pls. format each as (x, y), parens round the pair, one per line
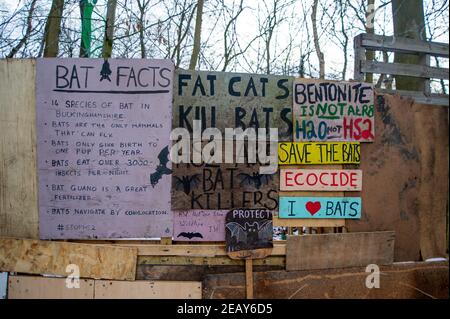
(319, 53)
(27, 31)
(109, 29)
(53, 29)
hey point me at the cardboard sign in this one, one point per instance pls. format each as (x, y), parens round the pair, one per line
(230, 100)
(103, 142)
(223, 186)
(319, 153)
(320, 207)
(199, 225)
(333, 111)
(320, 180)
(248, 231)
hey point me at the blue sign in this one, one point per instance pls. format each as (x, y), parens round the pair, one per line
(320, 207)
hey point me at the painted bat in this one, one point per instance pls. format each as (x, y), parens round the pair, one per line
(162, 168)
(251, 232)
(257, 180)
(186, 183)
(190, 235)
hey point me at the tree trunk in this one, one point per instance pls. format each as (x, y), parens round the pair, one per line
(197, 34)
(53, 29)
(320, 55)
(370, 29)
(109, 29)
(27, 31)
(409, 22)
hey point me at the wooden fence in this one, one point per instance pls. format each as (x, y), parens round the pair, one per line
(424, 49)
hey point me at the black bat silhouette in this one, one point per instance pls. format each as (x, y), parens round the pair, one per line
(256, 179)
(187, 183)
(161, 169)
(105, 71)
(189, 235)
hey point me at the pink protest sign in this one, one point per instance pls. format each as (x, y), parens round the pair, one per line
(199, 225)
(103, 131)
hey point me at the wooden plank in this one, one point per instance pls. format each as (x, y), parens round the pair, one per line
(420, 280)
(326, 251)
(320, 207)
(166, 240)
(279, 249)
(35, 287)
(320, 180)
(318, 153)
(420, 71)
(297, 222)
(249, 277)
(105, 289)
(360, 56)
(208, 261)
(47, 257)
(18, 178)
(405, 45)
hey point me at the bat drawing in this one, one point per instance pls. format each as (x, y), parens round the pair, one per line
(187, 183)
(257, 180)
(190, 235)
(105, 71)
(251, 233)
(162, 168)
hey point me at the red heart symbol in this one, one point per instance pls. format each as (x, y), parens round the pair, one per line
(312, 207)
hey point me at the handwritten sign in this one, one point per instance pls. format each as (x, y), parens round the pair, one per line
(223, 186)
(333, 111)
(247, 230)
(320, 180)
(199, 225)
(230, 100)
(103, 143)
(320, 207)
(319, 153)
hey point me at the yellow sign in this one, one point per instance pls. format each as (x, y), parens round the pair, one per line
(318, 153)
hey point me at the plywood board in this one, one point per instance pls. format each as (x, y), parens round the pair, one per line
(34, 287)
(223, 186)
(406, 171)
(324, 251)
(319, 153)
(103, 142)
(320, 207)
(333, 111)
(50, 257)
(148, 289)
(18, 177)
(199, 225)
(230, 100)
(320, 180)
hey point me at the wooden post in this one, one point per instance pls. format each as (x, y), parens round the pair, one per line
(166, 241)
(249, 277)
